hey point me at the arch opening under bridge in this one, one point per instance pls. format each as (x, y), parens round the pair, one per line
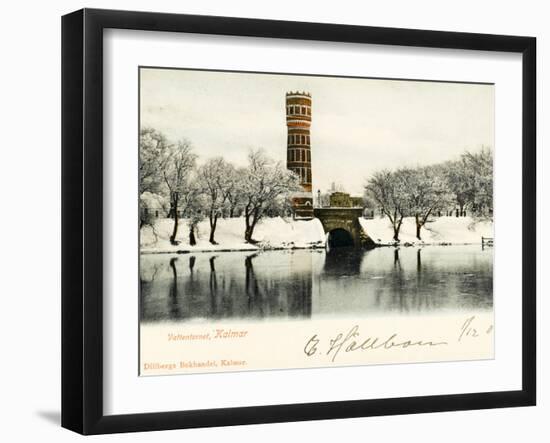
(339, 238)
(341, 225)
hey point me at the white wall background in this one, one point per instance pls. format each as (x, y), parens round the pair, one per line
(30, 218)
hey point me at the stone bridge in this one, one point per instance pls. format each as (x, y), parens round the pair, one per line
(343, 227)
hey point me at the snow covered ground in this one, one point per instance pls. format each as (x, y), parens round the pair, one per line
(271, 233)
(279, 233)
(455, 230)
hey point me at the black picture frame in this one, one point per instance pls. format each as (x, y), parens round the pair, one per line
(82, 215)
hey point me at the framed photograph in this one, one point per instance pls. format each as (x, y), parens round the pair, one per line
(269, 221)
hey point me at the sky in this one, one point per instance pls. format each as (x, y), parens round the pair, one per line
(358, 126)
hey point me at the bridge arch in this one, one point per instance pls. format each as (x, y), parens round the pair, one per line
(343, 227)
(339, 237)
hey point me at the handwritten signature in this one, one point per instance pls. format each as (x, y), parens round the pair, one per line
(353, 341)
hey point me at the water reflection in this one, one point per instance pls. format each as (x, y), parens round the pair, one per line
(304, 283)
(173, 295)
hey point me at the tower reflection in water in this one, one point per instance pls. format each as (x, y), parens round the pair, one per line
(314, 283)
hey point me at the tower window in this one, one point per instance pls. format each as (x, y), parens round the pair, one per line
(308, 175)
(303, 110)
(308, 111)
(307, 139)
(303, 139)
(308, 156)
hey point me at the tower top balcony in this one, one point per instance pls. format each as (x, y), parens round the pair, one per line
(298, 98)
(298, 94)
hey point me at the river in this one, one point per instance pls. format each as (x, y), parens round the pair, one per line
(315, 283)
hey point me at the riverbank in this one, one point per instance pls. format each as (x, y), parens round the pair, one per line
(437, 231)
(278, 233)
(270, 233)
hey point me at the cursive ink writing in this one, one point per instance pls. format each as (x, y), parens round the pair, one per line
(311, 346)
(470, 329)
(352, 341)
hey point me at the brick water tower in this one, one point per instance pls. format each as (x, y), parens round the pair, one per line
(298, 160)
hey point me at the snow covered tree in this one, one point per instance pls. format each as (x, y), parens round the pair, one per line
(470, 179)
(177, 178)
(263, 183)
(458, 184)
(216, 180)
(151, 206)
(386, 189)
(153, 154)
(479, 167)
(323, 200)
(232, 191)
(425, 190)
(153, 150)
(194, 203)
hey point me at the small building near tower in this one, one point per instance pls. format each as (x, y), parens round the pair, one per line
(298, 122)
(344, 200)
